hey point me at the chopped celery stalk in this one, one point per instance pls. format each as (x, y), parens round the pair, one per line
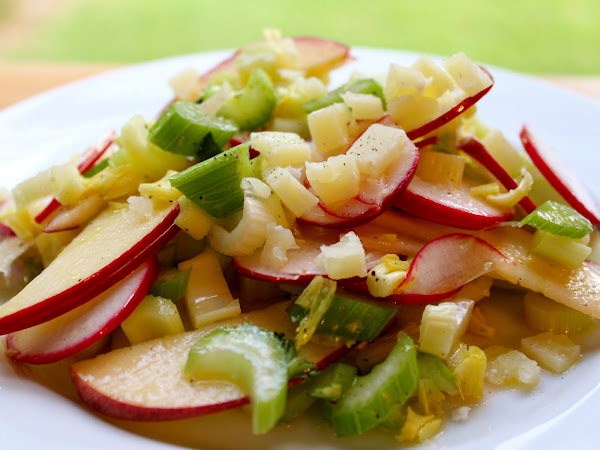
(153, 318)
(350, 318)
(362, 86)
(171, 284)
(251, 357)
(253, 106)
(329, 384)
(374, 397)
(434, 369)
(560, 220)
(561, 249)
(214, 184)
(395, 420)
(443, 325)
(309, 308)
(184, 128)
(544, 314)
(96, 168)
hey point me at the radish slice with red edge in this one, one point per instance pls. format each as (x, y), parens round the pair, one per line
(475, 149)
(454, 207)
(75, 216)
(446, 264)
(452, 113)
(569, 187)
(78, 329)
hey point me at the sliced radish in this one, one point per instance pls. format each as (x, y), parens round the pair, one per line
(67, 334)
(87, 161)
(145, 382)
(455, 207)
(446, 264)
(451, 114)
(554, 170)
(475, 149)
(5, 231)
(104, 253)
(75, 216)
(375, 196)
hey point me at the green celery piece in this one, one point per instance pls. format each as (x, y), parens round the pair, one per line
(374, 397)
(363, 86)
(183, 128)
(96, 168)
(171, 284)
(558, 219)
(345, 316)
(433, 368)
(251, 357)
(252, 106)
(214, 184)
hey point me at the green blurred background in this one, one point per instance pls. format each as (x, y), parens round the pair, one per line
(540, 36)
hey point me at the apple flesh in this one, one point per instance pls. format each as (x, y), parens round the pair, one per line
(569, 187)
(76, 216)
(78, 329)
(105, 252)
(474, 148)
(145, 382)
(455, 207)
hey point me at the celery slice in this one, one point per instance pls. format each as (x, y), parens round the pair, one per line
(434, 369)
(171, 284)
(561, 249)
(184, 128)
(374, 397)
(363, 86)
(253, 106)
(544, 314)
(252, 357)
(560, 220)
(347, 317)
(96, 168)
(214, 184)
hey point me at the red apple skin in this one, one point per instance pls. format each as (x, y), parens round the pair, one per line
(427, 201)
(95, 284)
(557, 175)
(474, 148)
(451, 114)
(146, 274)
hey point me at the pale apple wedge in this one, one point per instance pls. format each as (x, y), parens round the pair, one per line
(455, 207)
(81, 327)
(450, 114)
(105, 252)
(145, 382)
(446, 264)
(475, 149)
(577, 288)
(76, 216)
(554, 170)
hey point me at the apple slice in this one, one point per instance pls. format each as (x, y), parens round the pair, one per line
(145, 382)
(374, 197)
(475, 149)
(86, 162)
(446, 264)
(576, 288)
(79, 328)
(554, 170)
(455, 207)
(76, 216)
(451, 114)
(105, 252)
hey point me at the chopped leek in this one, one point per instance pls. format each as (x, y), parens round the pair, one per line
(443, 325)
(560, 220)
(214, 184)
(373, 397)
(185, 129)
(544, 314)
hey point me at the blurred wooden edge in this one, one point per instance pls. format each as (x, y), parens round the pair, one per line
(19, 80)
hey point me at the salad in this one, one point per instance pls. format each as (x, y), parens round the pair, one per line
(268, 241)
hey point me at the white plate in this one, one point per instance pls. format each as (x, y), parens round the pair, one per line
(47, 129)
